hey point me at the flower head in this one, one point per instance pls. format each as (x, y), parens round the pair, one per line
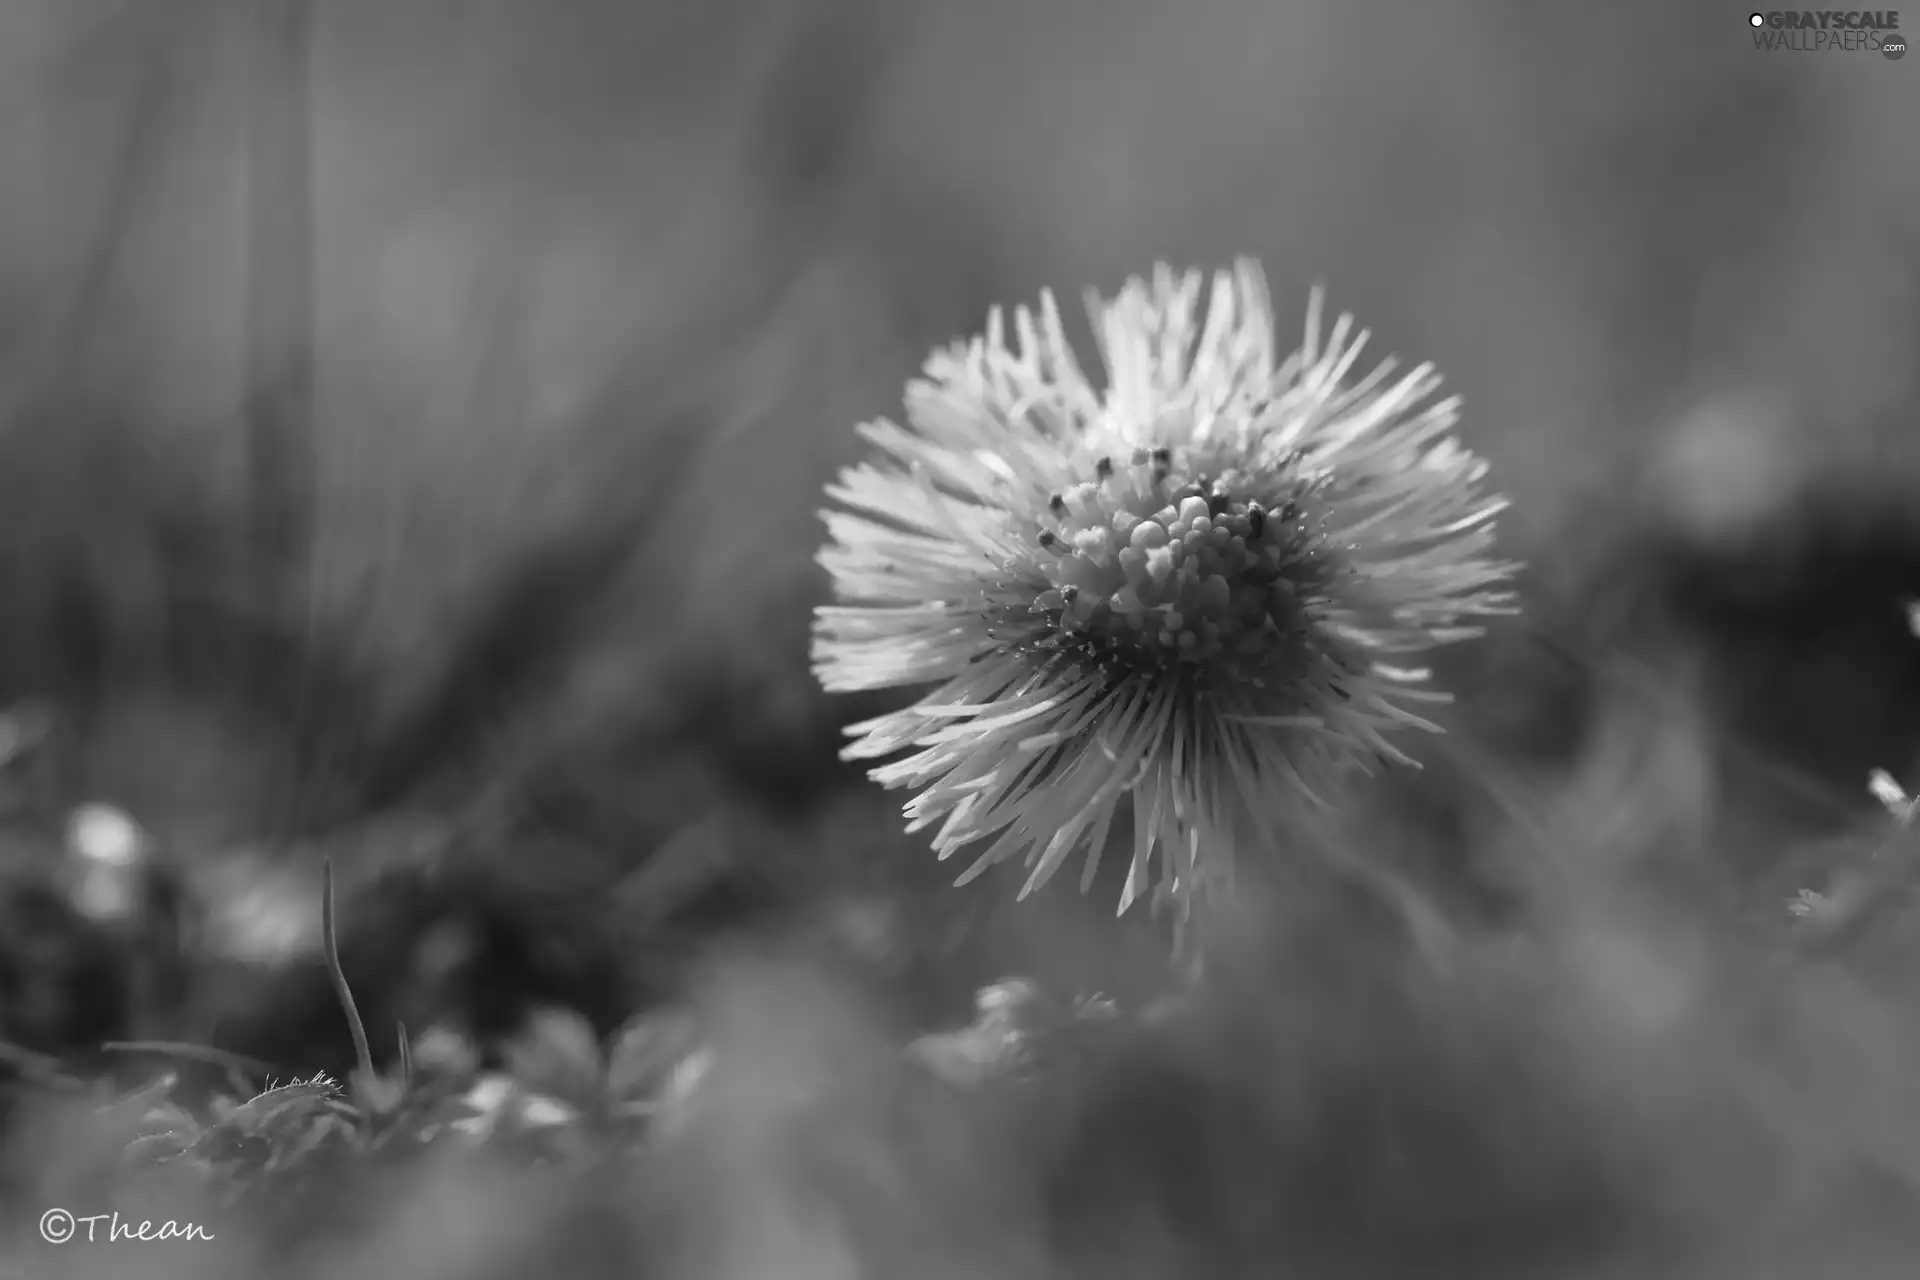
(1193, 587)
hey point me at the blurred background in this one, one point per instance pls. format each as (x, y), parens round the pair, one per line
(413, 417)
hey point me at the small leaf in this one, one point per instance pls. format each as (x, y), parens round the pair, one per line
(232, 1147)
(156, 1148)
(378, 1095)
(139, 1101)
(559, 1054)
(1888, 792)
(281, 1118)
(540, 1112)
(168, 1116)
(1809, 904)
(998, 1043)
(648, 1052)
(445, 1054)
(489, 1095)
(541, 1127)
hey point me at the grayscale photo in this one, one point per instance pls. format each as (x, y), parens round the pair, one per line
(910, 640)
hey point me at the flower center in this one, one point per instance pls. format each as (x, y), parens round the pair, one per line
(1156, 566)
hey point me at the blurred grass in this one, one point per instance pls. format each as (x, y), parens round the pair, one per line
(598, 293)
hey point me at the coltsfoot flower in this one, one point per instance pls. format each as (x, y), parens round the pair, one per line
(1194, 587)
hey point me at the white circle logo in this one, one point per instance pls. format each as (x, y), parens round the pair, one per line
(56, 1226)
